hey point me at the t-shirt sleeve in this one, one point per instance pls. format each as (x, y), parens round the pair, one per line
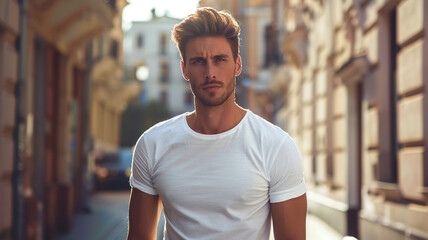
(286, 172)
(141, 171)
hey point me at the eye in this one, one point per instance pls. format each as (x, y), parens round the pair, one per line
(198, 61)
(220, 59)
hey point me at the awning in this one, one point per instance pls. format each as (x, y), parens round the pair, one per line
(70, 24)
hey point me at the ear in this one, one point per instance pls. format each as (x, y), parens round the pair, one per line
(238, 66)
(183, 71)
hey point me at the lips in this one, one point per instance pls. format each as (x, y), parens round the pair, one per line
(211, 87)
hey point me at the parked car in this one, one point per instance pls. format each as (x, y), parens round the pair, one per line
(112, 170)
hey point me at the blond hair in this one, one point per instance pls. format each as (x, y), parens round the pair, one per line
(207, 22)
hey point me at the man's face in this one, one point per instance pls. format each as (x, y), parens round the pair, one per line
(211, 69)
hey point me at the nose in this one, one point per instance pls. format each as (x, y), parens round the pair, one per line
(209, 71)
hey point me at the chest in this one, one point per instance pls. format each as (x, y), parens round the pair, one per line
(202, 175)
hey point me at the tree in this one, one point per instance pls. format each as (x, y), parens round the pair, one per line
(138, 118)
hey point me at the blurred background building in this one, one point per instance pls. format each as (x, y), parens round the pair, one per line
(357, 102)
(153, 57)
(61, 98)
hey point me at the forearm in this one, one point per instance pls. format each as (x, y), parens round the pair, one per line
(144, 212)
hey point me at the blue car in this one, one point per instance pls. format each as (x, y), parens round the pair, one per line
(112, 170)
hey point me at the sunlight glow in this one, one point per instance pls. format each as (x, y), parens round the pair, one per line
(142, 73)
(140, 10)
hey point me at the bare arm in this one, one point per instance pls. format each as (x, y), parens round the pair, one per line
(144, 212)
(289, 219)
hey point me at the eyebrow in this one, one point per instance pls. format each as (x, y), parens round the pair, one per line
(221, 55)
(216, 56)
(196, 58)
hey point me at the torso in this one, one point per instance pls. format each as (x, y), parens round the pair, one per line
(213, 186)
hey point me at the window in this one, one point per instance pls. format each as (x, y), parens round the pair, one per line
(386, 170)
(140, 41)
(164, 72)
(401, 119)
(114, 49)
(163, 44)
(271, 46)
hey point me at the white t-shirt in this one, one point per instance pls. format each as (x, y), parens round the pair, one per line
(218, 186)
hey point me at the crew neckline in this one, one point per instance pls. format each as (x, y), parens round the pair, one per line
(213, 136)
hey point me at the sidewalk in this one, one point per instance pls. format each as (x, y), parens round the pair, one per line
(316, 229)
(108, 220)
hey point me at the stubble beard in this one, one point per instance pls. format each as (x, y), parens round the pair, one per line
(210, 100)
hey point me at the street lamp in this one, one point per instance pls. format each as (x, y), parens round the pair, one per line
(142, 73)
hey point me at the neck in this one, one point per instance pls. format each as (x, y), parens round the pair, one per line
(214, 120)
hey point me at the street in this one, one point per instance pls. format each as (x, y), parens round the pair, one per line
(108, 220)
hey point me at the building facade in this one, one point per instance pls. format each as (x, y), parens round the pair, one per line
(148, 48)
(47, 76)
(356, 75)
(110, 90)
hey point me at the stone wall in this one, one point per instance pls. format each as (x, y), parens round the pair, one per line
(357, 106)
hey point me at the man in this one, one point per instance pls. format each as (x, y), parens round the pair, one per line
(220, 172)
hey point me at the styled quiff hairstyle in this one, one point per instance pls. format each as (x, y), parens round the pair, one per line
(207, 21)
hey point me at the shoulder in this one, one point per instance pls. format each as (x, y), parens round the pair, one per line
(272, 140)
(161, 131)
(266, 129)
(165, 126)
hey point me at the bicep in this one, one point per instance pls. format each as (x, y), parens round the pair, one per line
(289, 218)
(144, 212)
